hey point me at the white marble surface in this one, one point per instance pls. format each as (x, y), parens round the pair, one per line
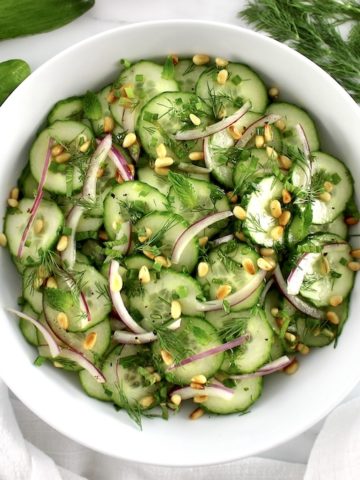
(105, 15)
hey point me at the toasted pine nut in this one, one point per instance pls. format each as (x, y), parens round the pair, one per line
(149, 254)
(221, 113)
(58, 364)
(233, 198)
(163, 162)
(336, 300)
(239, 212)
(63, 157)
(162, 260)
(90, 341)
(110, 98)
(85, 146)
(324, 266)
(100, 173)
(284, 218)
(200, 59)
(286, 196)
(240, 236)
(280, 124)
(63, 320)
(103, 235)
(290, 337)
(162, 171)
(176, 399)
(197, 386)
(222, 77)
(175, 309)
(15, 193)
(268, 134)
(274, 312)
(292, 368)
(116, 283)
(56, 150)
(39, 226)
(351, 221)
(223, 291)
(249, 266)
(325, 197)
(3, 240)
(303, 349)
(156, 377)
(51, 283)
(147, 401)
(196, 156)
(203, 269)
(200, 398)
(267, 252)
(275, 208)
(62, 243)
(333, 318)
(12, 202)
(271, 153)
(277, 233)
(167, 357)
(285, 162)
(328, 186)
(175, 59)
(355, 253)
(266, 264)
(118, 177)
(195, 120)
(161, 150)
(109, 124)
(221, 62)
(234, 132)
(199, 379)
(144, 275)
(354, 266)
(129, 140)
(199, 412)
(273, 92)
(259, 141)
(203, 241)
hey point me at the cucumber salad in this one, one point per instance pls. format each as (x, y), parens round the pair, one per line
(180, 236)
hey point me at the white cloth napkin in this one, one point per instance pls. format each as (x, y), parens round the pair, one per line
(335, 455)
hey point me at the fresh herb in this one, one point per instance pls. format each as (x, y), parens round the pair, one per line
(132, 409)
(219, 100)
(174, 342)
(39, 360)
(92, 106)
(233, 327)
(168, 71)
(184, 189)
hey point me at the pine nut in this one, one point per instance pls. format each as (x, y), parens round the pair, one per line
(292, 368)
(196, 156)
(147, 401)
(109, 124)
(62, 243)
(149, 254)
(249, 266)
(58, 365)
(234, 132)
(144, 275)
(163, 171)
(280, 124)
(273, 92)
(199, 412)
(63, 320)
(284, 218)
(203, 241)
(277, 233)
(223, 291)
(259, 141)
(156, 377)
(103, 236)
(222, 77)
(163, 162)
(286, 196)
(199, 379)
(267, 252)
(355, 253)
(290, 337)
(200, 59)
(161, 150)
(175, 309)
(271, 153)
(132, 169)
(336, 300)
(100, 173)
(110, 98)
(303, 349)
(239, 212)
(354, 266)
(268, 134)
(176, 399)
(51, 283)
(39, 226)
(221, 62)
(266, 264)
(90, 341)
(56, 150)
(222, 113)
(351, 221)
(116, 283)
(240, 236)
(325, 197)
(324, 266)
(118, 177)
(129, 140)
(197, 386)
(63, 157)
(203, 269)
(12, 202)
(162, 260)
(15, 193)
(195, 120)
(175, 59)
(233, 198)
(328, 186)
(275, 208)
(285, 162)
(85, 146)
(150, 369)
(167, 357)
(333, 318)
(200, 398)
(328, 333)
(274, 312)
(3, 240)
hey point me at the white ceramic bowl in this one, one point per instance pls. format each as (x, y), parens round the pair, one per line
(289, 405)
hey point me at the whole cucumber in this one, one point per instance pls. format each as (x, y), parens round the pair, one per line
(27, 17)
(12, 73)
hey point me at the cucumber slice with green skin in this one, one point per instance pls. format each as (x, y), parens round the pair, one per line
(226, 268)
(277, 349)
(89, 224)
(187, 74)
(145, 81)
(255, 164)
(167, 228)
(124, 383)
(147, 175)
(246, 392)
(98, 125)
(69, 133)
(152, 301)
(337, 226)
(92, 387)
(272, 300)
(243, 84)
(135, 262)
(326, 168)
(194, 199)
(292, 115)
(259, 222)
(28, 329)
(250, 356)
(68, 109)
(195, 335)
(310, 333)
(131, 201)
(167, 114)
(37, 243)
(31, 291)
(81, 258)
(223, 156)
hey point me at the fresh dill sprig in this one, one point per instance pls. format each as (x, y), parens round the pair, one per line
(174, 342)
(184, 189)
(253, 224)
(132, 409)
(312, 28)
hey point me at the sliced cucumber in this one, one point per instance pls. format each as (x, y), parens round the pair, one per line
(150, 177)
(102, 96)
(187, 74)
(311, 334)
(272, 300)
(68, 109)
(37, 243)
(91, 387)
(28, 329)
(31, 288)
(89, 224)
(337, 226)
(27, 183)
(135, 262)
(277, 349)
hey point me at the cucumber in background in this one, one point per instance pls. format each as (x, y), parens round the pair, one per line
(12, 73)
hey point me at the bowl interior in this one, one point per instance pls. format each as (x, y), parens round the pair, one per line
(289, 405)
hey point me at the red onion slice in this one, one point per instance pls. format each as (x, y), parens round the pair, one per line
(297, 274)
(53, 346)
(294, 300)
(84, 363)
(68, 256)
(121, 164)
(265, 291)
(221, 240)
(251, 129)
(118, 301)
(215, 127)
(141, 338)
(212, 351)
(234, 298)
(207, 153)
(307, 154)
(333, 247)
(267, 369)
(211, 390)
(194, 230)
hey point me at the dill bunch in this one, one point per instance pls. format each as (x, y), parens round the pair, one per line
(312, 28)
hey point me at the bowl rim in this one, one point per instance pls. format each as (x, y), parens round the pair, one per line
(13, 384)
